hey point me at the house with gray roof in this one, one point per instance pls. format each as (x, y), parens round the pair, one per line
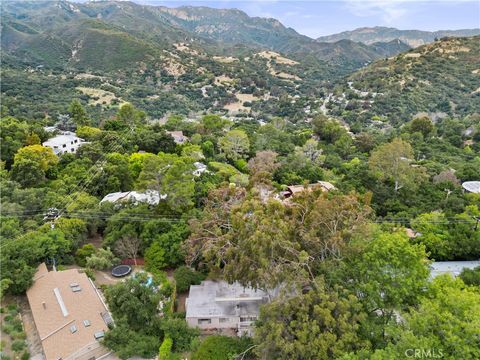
(217, 305)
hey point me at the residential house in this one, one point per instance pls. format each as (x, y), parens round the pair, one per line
(178, 137)
(66, 142)
(454, 268)
(295, 189)
(151, 197)
(69, 313)
(226, 308)
(472, 186)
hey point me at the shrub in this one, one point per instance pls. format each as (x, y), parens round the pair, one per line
(221, 348)
(471, 276)
(165, 351)
(25, 356)
(83, 253)
(18, 345)
(185, 276)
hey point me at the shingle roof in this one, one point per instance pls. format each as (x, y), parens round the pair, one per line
(60, 302)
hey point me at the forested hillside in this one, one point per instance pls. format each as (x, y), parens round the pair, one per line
(329, 175)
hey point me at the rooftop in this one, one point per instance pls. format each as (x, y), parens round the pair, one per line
(452, 267)
(218, 298)
(472, 186)
(68, 311)
(151, 197)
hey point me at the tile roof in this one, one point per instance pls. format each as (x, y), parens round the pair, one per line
(61, 302)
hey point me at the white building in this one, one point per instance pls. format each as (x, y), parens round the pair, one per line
(66, 142)
(472, 186)
(454, 268)
(151, 197)
(200, 168)
(217, 305)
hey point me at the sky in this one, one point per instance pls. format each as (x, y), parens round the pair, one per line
(315, 18)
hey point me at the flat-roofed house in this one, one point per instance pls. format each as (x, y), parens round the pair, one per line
(453, 268)
(67, 142)
(69, 314)
(217, 305)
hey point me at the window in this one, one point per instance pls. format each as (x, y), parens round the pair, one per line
(224, 320)
(248, 318)
(64, 145)
(86, 323)
(204, 321)
(73, 329)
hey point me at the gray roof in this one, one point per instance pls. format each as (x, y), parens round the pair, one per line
(451, 267)
(472, 186)
(220, 299)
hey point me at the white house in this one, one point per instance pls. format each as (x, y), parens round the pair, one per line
(200, 168)
(217, 305)
(66, 142)
(151, 197)
(453, 268)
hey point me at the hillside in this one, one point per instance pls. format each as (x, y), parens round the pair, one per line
(440, 77)
(413, 38)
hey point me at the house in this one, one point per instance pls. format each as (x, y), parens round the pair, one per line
(66, 142)
(453, 268)
(472, 186)
(178, 137)
(200, 168)
(69, 313)
(150, 197)
(223, 307)
(295, 189)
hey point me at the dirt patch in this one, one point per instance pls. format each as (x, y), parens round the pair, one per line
(223, 79)
(279, 59)
(33, 339)
(184, 48)
(99, 96)
(225, 59)
(88, 76)
(413, 55)
(174, 68)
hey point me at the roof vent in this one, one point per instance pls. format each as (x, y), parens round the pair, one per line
(76, 288)
(99, 335)
(44, 305)
(74, 285)
(73, 329)
(86, 323)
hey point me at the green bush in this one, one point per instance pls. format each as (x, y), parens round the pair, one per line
(221, 348)
(25, 356)
(471, 276)
(185, 276)
(18, 345)
(83, 253)
(165, 351)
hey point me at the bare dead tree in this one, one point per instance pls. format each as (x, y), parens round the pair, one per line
(128, 246)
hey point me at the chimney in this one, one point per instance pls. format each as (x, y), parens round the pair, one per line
(44, 305)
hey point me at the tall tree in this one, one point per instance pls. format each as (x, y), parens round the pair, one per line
(393, 161)
(319, 324)
(77, 113)
(235, 144)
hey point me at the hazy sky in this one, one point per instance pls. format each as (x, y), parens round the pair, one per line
(316, 18)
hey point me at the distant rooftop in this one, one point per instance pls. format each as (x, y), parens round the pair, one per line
(151, 197)
(451, 267)
(472, 186)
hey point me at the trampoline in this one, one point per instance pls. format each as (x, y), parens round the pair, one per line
(121, 270)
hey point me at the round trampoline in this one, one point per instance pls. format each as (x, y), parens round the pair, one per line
(121, 270)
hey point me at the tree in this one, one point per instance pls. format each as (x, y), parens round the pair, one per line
(185, 276)
(329, 130)
(235, 144)
(221, 348)
(78, 114)
(165, 250)
(43, 156)
(13, 135)
(422, 125)
(165, 351)
(135, 302)
(390, 274)
(128, 247)
(319, 324)
(392, 161)
(154, 140)
(102, 259)
(262, 166)
(169, 174)
(129, 115)
(213, 125)
(471, 276)
(180, 333)
(83, 253)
